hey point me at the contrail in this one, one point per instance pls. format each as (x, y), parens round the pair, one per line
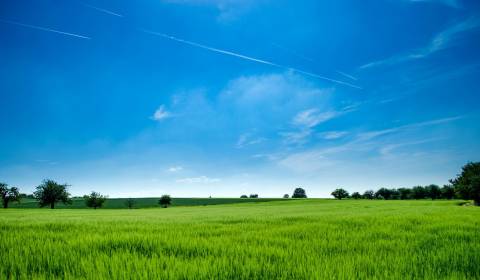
(44, 29)
(249, 58)
(347, 75)
(102, 10)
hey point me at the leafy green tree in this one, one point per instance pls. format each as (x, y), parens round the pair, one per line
(286, 195)
(467, 184)
(130, 203)
(254, 195)
(356, 195)
(419, 192)
(448, 192)
(299, 193)
(8, 194)
(340, 193)
(95, 200)
(165, 200)
(433, 191)
(384, 193)
(369, 194)
(50, 192)
(405, 193)
(244, 196)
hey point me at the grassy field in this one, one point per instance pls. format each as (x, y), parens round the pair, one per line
(146, 202)
(310, 239)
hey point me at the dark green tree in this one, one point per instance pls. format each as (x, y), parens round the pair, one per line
(448, 192)
(254, 195)
(299, 193)
(433, 191)
(244, 196)
(369, 194)
(8, 194)
(467, 183)
(165, 200)
(286, 195)
(130, 203)
(356, 195)
(95, 200)
(50, 192)
(340, 193)
(419, 192)
(405, 193)
(384, 193)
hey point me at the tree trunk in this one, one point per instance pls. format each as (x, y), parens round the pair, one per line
(52, 205)
(476, 202)
(5, 204)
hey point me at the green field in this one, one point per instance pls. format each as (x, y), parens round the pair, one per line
(145, 202)
(309, 239)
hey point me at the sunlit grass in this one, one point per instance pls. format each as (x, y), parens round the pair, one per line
(311, 239)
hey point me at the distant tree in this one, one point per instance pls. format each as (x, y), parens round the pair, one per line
(340, 193)
(286, 195)
(384, 193)
(254, 195)
(356, 195)
(405, 193)
(419, 192)
(467, 184)
(369, 194)
(299, 193)
(50, 192)
(130, 203)
(433, 191)
(448, 192)
(165, 200)
(244, 196)
(8, 194)
(95, 200)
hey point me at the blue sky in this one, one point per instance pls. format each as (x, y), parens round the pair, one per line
(231, 97)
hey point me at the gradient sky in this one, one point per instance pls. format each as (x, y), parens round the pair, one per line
(229, 97)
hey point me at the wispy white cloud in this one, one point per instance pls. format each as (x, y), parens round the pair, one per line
(331, 135)
(198, 180)
(441, 41)
(102, 10)
(161, 113)
(347, 75)
(44, 29)
(228, 10)
(296, 137)
(313, 117)
(175, 169)
(249, 58)
(248, 139)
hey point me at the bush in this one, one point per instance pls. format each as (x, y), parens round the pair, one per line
(243, 196)
(299, 193)
(254, 195)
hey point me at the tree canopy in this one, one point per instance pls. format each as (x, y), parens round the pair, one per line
(165, 200)
(95, 200)
(340, 193)
(467, 183)
(8, 194)
(299, 193)
(50, 192)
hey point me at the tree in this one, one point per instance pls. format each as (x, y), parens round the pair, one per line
(8, 194)
(254, 195)
(95, 200)
(340, 193)
(299, 193)
(286, 195)
(243, 196)
(405, 193)
(384, 193)
(467, 184)
(356, 195)
(448, 192)
(165, 200)
(369, 194)
(50, 192)
(130, 203)
(419, 192)
(433, 191)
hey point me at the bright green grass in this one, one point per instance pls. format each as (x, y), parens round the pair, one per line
(146, 202)
(310, 239)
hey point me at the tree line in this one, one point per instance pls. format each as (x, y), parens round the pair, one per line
(465, 186)
(50, 193)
